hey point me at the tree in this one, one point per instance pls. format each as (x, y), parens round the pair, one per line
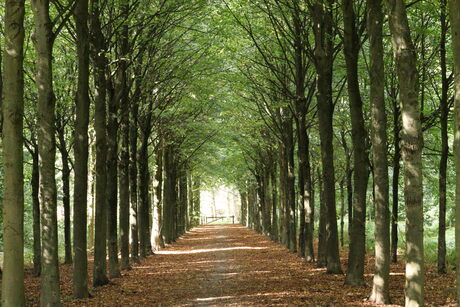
(380, 290)
(13, 197)
(100, 121)
(80, 268)
(44, 37)
(412, 142)
(351, 43)
(321, 12)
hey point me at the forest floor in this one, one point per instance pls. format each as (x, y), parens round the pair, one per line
(232, 265)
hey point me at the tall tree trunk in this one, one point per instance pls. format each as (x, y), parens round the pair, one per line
(65, 195)
(35, 183)
(380, 290)
(144, 180)
(244, 208)
(80, 267)
(274, 192)
(284, 221)
(454, 10)
(182, 202)
(323, 59)
(91, 195)
(13, 196)
(357, 250)
(412, 142)
(158, 204)
(289, 184)
(50, 289)
(349, 180)
(322, 237)
(395, 183)
(196, 186)
(444, 106)
(300, 120)
(62, 147)
(100, 121)
(309, 203)
(133, 135)
(112, 182)
(169, 195)
(122, 87)
(342, 210)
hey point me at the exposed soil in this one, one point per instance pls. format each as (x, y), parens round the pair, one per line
(232, 265)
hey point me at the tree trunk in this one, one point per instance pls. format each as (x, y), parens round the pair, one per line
(323, 60)
(322, 237)
(169, 195)
(444, 106)
(133, 184)
(50, 289)
(158, 204)
(35, 183)
(357, 250)
(412, 142)
(144, 180)
(13, 196)
(342, 211)
(182, 205)
(395, 183)
(309, 203)
(454, 10)
(274, 191)
(66, 196)
(380, 290)
(100, 121)
(80, 268)
(122, 88)
(112, 183)
(244, 208)
(289, 184)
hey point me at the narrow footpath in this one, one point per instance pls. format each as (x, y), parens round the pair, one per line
(226, 265)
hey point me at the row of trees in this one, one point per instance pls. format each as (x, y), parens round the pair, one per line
(103, 98)
(321, 78)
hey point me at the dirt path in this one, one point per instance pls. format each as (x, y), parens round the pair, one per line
(232, 265)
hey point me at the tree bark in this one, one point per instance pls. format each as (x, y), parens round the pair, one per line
(357, 250)
(122, 88)
(50, 289)
(133, 135)
(112, 182)
(169, 195)
(395, 183)
(412, 142)
(244, 208)
(158, 205)
(444, 106)
(35, 183)
(144, 180)
(13, 196)
(342, 211)
(100, 122)
(274, 191)
(323, 60)
(380, 290)
(65, 191)
(80, 268)
(322, 237)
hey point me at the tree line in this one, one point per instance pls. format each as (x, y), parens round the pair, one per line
(346, 91)
(98, 112)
